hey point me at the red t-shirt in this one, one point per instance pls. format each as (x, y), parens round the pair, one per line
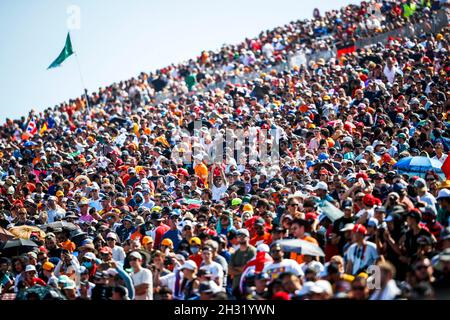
(197, 258)
(160, 230)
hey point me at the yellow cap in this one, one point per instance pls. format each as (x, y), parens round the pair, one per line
(195, 241)
(48, 266)
(167, 242)
(146, 240)
(59, 193)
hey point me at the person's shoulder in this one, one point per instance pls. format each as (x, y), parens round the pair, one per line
(372, 245)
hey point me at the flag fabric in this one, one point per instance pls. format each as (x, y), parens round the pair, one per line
(446, 167)
(50, 122)
(43, 129)
(32, 128)
(65, 53)
(345, 50)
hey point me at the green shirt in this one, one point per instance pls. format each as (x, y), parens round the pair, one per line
(240, 259)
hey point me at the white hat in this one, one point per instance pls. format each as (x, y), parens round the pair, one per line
(347, 227)
(322, 286)
(136, 255)
(306, 288)
(30, 267)
(112, 235)
(70, 284)
(112, 272)
(369, 149)
(89, 255)
(443, 193)
(244, 232)
(347, 139)
(262, 248)
(321, 186)
(190, 265)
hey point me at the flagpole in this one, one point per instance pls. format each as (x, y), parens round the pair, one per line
(81, 75)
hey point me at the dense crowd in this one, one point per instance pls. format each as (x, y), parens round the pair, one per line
(120, 197)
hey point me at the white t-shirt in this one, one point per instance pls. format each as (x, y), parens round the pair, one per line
(217, 192)
(287, 265)
(390, 292)
(363, 256)
(215, 269)
(143, 276)
(118, 254)
(429, 199)
(441, 159)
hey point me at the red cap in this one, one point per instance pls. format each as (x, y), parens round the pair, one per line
(106, 250)
(359, 228)
(281, 295)
(182, 172)
(369, 200)
(362, 175)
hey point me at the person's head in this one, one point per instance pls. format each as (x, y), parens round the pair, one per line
(50, 241)
(173, 221)
(298, 228)
(207, 254)
(259, 227)
(106, 254)
(358, 233)
(243, 237)
(5, 264)
(135, 259)
(413, 218)
(119, 293)
(189, 269)
(70, 289)
(291, 282)
(195, 244)
(166, 244)
(292, 205)
(30, 272)
(443, 199)
(206, 291)
(261, 281)
(147, 243)
(276, 252)
(387, 272)
(165, 293)
(423, 269)
(111, 239)
(359, 289)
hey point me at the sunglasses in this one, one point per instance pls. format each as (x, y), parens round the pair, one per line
(421, 267)
(110, 239)
(293, 205)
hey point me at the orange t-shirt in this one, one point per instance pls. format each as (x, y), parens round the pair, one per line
(202, 172)
(299, 257)
(266, 238)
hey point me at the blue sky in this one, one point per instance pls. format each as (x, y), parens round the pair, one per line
(119, 39)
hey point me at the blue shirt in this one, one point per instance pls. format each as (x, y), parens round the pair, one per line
(175, 236)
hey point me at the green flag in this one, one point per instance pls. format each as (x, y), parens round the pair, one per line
(65, 53)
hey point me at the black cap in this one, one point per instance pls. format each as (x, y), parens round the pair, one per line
(205, 287)
(415, 215)
(155, 216)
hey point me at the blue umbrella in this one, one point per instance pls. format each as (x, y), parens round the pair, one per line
(29, 144)
(418, 165)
